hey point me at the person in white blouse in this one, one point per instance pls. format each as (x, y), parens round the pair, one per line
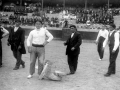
(101, 41)
(114, 49)
(36, 43)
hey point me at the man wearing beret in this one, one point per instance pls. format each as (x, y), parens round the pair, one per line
(73, 48)
(114, 50)
(16, 40)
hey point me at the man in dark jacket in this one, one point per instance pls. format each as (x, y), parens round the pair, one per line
(16, 40)
(73, 48)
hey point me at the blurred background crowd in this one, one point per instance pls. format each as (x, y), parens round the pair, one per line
(57, 16)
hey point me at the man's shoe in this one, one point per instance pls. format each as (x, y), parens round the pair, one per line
(100, 59)
(16, 68)
(0, 66)
(70, 73)
(107, 74)
(112, 72)
(23, 65)
(29, 76)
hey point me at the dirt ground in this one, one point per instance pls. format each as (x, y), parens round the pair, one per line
(89, 75)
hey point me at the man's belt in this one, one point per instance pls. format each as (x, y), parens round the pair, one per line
(37, 45)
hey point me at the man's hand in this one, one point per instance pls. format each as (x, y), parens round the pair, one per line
(64, 43)
(8, 43)
(72, 48)
(113, 51)
(103, 48)
(29, 49)
(45, 43)
(19, 47)
(96, 42)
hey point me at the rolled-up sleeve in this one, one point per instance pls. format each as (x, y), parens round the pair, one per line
(98, 36)
(49, 35)
(106, 39)
(5, 31)
(116, 41)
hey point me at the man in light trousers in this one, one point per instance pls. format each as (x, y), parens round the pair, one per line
(36, 43)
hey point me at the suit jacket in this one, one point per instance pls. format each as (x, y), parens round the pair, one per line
(75, 42)
(16, 39)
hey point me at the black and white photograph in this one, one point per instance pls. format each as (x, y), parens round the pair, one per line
(59, 44)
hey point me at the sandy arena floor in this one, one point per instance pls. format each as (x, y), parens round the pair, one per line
(89, 75)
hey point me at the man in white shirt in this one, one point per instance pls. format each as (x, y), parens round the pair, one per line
(101, 41)
(3, 33)
(36, 43)
(114, 49)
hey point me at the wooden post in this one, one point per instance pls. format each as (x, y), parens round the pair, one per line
(108, 4)
(85, 4)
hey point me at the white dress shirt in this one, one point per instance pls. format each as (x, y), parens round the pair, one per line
(15, 29)
(103, 33)
(117, 42)
(72, 35)
(39, 37)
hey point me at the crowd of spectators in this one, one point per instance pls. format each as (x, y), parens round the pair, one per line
(95, 16)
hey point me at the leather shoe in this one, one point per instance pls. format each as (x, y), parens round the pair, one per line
(70, 73)
(23, 65)
(16, 68)
(0, 66)
(107, 74)
(112, 72)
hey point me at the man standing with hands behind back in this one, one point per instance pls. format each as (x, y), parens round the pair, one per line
(73, 48)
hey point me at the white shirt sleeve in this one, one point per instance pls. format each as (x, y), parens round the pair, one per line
(116, 41)
(98, 36)
(29, 39)
(5, 32)
(49, 35)
(106, 39)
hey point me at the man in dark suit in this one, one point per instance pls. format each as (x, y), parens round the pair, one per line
(73, 48)
(16, 40)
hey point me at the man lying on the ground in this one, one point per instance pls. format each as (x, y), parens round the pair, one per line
(48, 74)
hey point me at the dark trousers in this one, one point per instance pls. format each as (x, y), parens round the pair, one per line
(112, 59)
(0, 53)
(72, 62)
(100, 47)
(18, 57)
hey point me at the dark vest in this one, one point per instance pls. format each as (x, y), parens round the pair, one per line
(112, 39)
